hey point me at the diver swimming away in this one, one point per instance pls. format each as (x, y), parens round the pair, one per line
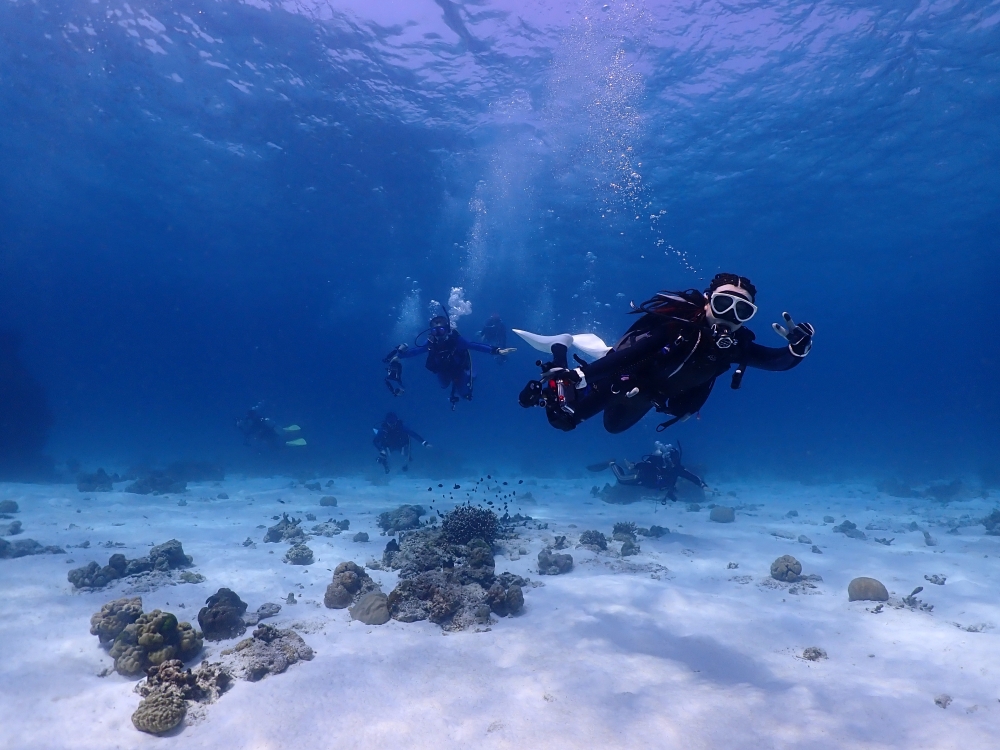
(393, 435)
(494, 333)
(667, 360)
(257, 428)
(658, 470)
(448, 357)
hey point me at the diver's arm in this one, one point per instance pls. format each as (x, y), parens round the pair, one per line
(414, 435)
(411, 351)
(478, 346)
(771, 359)
(691, 477)
(622, 476)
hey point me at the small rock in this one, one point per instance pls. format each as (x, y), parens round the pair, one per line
(792, 514)
(816, 550)
(814, 653)
(8, 506)
(732, 566)
(248, 542)
(553, 564)
(936, 579)
(222, 496)
(722, 514)
(328, 501)
(629, 548)
(786, 568)
(310, 516)
(371, 609)
(291, 599)
(299, 554)
(943, 700)
(929, 540)
(182, 502)
(803, 539)
(865, 589)
(361, 536)
(850, 529)
(693, 507)
(828, 519)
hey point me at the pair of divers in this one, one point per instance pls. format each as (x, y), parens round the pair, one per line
(658, 470)
(260, 430)
(667, 360)
(449, 355)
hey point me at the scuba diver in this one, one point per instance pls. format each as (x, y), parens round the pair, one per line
(658, 470)
(257, 428)
(448, 357)
(667, 360)
(393, 435)
(494, 333)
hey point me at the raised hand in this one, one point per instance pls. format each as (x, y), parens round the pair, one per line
(798, 335)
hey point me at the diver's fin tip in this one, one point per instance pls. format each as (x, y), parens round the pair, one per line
(292, 428)
(300, 441)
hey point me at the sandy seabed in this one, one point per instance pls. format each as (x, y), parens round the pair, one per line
(671, 648)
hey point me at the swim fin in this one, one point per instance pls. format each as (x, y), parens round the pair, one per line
(588, 343)
(599, 467)
(292, 428)
(300, 441)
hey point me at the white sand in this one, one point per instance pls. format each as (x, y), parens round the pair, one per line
(607, 656)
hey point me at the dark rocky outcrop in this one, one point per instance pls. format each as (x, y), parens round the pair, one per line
(786, 568)
(403, 518)
(554, 563)
(222, 615)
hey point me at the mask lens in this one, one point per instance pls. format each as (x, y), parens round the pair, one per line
(744, 311)
(721, 303)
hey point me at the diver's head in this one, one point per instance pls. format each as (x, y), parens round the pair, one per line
(391, 418)
(669, 452)
(730, 301)
(439, 329)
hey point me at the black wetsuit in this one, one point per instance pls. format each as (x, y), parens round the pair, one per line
(394, 436)
(257, 428)
(657, 472)
(450, 360)
(494, 332)
(673, 362)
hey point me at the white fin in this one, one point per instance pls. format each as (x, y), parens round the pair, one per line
(292, 428)
(300, 441)
(587, 343)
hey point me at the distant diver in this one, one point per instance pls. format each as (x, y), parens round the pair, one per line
(667, 360)
(261, 430)
(494, 333)
(658, 470)
(448, 357)
(393, 435)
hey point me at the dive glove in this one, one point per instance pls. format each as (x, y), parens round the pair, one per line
(798, 335)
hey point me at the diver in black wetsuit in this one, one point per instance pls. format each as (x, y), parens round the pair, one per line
(258, 429)
(668, 360)
(448, 357)
(494, 333)
(393, 435)
(659, 470)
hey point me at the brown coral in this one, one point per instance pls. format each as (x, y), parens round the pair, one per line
(160, 712)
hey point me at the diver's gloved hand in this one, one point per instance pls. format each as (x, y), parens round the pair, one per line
(394, 377)
(798, 335)
(394, 354)
(426, 444)
(503, 352)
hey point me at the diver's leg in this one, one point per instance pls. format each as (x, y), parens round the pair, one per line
(622, 413)
(622, 476)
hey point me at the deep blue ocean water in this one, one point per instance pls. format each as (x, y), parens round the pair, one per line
(208, 204)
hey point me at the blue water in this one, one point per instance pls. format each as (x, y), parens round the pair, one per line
(208, 204)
